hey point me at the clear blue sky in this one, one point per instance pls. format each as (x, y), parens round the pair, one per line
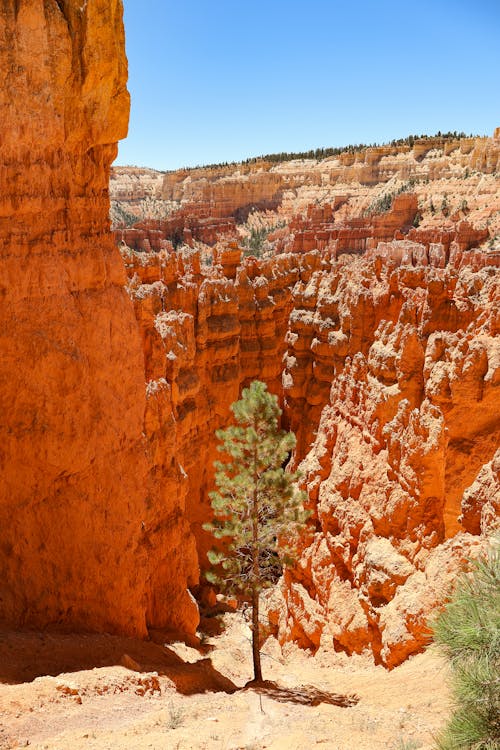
(219, 81)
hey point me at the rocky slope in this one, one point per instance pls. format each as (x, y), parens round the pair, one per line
(382, 344)
(407, 359)
(453, 174)
(87, 529)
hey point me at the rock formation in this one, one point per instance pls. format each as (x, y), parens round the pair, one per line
(375, 318)
(456, 175)
(406, 359)
(380, 360)
(205, 335)
(91, 539)
(373, 313)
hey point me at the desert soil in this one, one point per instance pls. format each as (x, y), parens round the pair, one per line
(87, 692)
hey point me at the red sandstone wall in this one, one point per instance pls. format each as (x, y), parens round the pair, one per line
(88, 540)
(204, 337)
(388, 368)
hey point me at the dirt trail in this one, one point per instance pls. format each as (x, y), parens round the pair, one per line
(61, 692)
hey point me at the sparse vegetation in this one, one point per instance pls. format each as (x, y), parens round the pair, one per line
(324, 153)
(405, 744)
(468, 632)
(256, 503)
(383, 204)
(254, 244)
(121, 217)
(175, 716)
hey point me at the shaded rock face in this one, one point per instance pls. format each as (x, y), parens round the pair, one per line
(205, 336)
(77, 487)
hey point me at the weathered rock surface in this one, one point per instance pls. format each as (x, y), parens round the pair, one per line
(452, 178)
(205, 336)
(378, 329)
(387, 365)
(406, 357)
(89, 540)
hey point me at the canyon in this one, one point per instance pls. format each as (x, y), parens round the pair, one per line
(374, 317)
(369, 302)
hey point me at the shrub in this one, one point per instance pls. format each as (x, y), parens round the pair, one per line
(256, 242)
(468, 632)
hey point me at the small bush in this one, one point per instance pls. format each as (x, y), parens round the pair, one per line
(468, 632)
(175, 716)
(384, 203)
(256, 242)
(121, 217)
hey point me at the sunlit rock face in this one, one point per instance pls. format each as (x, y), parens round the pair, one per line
(89, 538)
(388, 371)
(378, 329)
(405, 453)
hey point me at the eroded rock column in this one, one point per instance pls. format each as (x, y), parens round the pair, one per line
(85, 528)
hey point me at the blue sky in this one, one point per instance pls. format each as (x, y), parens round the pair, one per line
(221, 81)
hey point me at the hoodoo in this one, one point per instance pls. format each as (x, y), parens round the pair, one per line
(375, 319)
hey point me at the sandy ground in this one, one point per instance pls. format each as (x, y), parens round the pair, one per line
(99, 692)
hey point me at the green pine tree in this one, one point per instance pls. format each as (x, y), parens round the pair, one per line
(258, 510)
(468, 632)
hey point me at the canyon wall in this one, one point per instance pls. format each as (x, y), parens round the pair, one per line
(90, 538)
(462, 172)
(387, 365)
(205, 336)
(373, 313)
(406, 357)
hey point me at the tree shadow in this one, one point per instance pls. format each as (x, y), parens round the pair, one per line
(24, 656)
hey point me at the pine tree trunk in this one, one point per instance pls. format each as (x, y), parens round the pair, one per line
(255, 575)
(255, 635)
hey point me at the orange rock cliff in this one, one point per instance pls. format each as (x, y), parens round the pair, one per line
(379, 332)
(91, 537)
(373, 314)
(388, 372)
